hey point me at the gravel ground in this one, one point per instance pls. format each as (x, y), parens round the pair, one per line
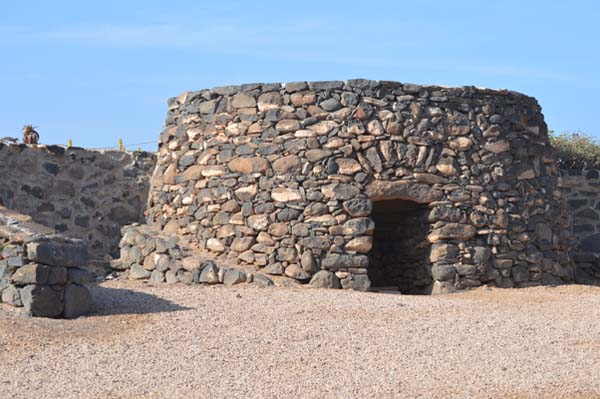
(165, 341)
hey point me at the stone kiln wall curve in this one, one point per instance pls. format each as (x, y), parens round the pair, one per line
(283, 176)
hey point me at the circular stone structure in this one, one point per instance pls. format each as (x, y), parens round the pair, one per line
(363, 183)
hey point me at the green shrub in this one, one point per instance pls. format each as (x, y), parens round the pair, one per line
(576, 150)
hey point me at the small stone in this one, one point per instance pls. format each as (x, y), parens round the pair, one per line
(78, 301)
(233, 276)
(324, 127)
(258, 222)
(359, 226)
(286, 254)
(375, 128)
(520, 274)
(267, 101)
(447, 167)
(443, 252)
(261, 280)
(358, 207)
(209, 274)
(274, 268)
(240, 244)
(265, 239)
(300, 230)
(287, 125)
(497, 147)
(374, 159)
(214, 244)
(191, 263)
(188, 277)
(137, 272)
(330, 105)
(247, 256)
(243, 100)
(248, 165)
(443, 272)
(11, 296)
(289, 164)
(324, 279)
(356, 282)
(300, 99)
(452, 231)
(461, 143)
(344, 261)
(360, 244)
(317, 155)
(32, 273)
(206, 107)
(347, 166)
(244, 194)
(284, 194)
(308, 261)
(481, 255)
(157, 276)
(340, 191)
(296, 272)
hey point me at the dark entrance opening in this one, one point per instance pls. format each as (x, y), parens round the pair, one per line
(399, 259)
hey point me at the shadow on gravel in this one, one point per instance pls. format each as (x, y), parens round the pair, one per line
(113, 301)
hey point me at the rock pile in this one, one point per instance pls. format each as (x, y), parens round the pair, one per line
(285, 176)
(41, 270)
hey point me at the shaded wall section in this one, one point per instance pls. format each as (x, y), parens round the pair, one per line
(87, 194)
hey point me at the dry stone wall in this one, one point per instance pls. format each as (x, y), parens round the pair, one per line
(284, 177)
(42, 270)
(582, 189)
(148, 254)
(85, 194)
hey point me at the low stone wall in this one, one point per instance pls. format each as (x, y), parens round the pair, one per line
(85, 194)
(149, 254)
(41, 270)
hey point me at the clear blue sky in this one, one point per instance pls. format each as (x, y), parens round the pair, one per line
(97, 71)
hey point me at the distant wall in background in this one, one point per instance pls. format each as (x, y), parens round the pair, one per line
(88, 194)
(582, 189)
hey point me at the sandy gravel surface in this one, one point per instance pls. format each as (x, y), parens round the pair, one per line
(166, 341)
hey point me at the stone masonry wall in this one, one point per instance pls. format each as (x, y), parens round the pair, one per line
(85, 194)
(283, 177)
(41, 270)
